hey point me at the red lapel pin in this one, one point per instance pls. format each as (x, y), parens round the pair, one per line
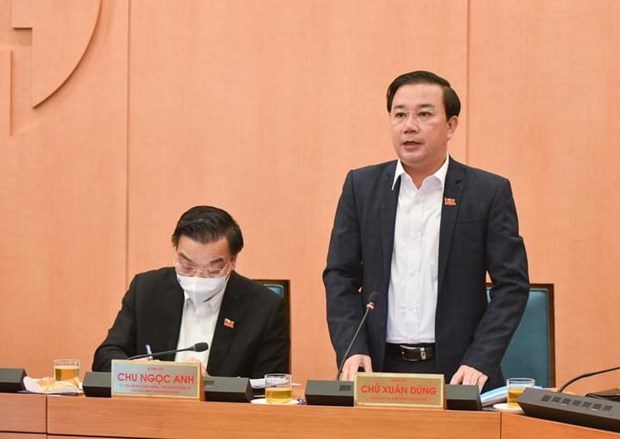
(449, 201)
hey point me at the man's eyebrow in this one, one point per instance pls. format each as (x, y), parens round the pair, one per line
(404, 107)
(183, 256)
(217, 260)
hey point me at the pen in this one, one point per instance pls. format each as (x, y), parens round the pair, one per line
(148, 351)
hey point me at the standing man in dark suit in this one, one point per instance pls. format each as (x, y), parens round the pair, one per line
(202, 299)
(424, 230)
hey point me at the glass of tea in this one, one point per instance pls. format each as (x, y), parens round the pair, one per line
(278, 388)
(516, 387)
(66, 369)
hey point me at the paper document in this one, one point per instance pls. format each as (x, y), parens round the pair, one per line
(495, 396)
(50, 386)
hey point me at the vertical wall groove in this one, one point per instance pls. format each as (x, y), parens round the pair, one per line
(468, 82)
(5, 94)
(127, 145)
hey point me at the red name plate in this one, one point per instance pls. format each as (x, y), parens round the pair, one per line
(164, 379)
(399, 390)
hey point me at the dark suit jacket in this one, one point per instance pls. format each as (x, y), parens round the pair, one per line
(151, 313)
(479, 234)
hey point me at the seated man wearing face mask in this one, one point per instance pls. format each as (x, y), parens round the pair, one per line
(202, 299)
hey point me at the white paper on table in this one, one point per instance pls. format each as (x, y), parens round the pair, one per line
(257, 383)
(495, 396)
(50, 386)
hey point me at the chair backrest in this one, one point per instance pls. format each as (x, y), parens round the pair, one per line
(531, 352)
(281, 287)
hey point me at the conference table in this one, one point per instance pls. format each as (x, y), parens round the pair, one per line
(29, 416)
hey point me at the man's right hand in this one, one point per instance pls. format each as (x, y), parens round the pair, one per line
(352, 364)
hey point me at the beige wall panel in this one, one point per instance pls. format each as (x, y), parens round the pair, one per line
(21, 13)
(63, 200)
(543, 103)
(261, 107)
(64, 29)
(5, 93)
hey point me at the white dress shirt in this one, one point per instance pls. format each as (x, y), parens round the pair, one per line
(412, 294)
(198, 325)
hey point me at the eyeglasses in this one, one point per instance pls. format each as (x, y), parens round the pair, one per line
(185, 268)
(398, 116)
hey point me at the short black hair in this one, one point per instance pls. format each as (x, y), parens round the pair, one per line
(207, 224)
(451, 100)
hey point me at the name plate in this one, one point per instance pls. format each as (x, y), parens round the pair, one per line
(162, 379)
(399, 390)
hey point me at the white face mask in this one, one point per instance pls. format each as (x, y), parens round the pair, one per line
(201, 289)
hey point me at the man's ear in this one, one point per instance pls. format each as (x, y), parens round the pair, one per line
(453, 122)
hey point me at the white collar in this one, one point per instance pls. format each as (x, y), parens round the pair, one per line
(440, 173)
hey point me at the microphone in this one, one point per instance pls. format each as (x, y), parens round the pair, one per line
(370, 305)
(586, 375)
(198, 347)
